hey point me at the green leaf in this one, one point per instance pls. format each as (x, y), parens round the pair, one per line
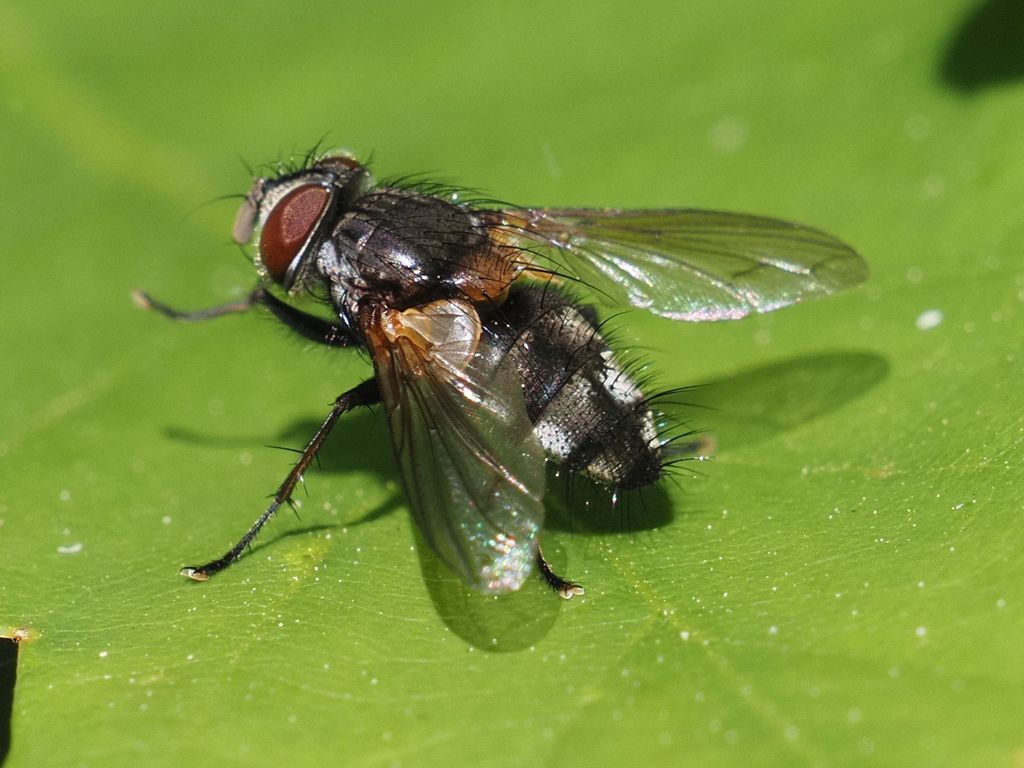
(842, 584)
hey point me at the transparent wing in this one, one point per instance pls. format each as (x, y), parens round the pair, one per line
(684, 264)
(472, 466)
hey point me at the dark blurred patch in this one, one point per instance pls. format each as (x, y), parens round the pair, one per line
(759, 403)
(987, 48)
(8, 675)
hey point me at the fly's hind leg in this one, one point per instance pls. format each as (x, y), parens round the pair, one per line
(563, 587)
(364, 394)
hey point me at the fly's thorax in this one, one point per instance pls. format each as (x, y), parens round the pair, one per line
(587, 409)
(406, 249)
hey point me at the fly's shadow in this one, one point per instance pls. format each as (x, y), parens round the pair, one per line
(759, 403)
(744, 409)
(358, 446)
(497, 624)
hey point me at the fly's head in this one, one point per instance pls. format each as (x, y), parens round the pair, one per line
(294, 214)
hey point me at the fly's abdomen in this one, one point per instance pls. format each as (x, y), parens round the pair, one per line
(587, 410)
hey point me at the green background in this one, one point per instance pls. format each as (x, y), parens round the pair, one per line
(842, 585)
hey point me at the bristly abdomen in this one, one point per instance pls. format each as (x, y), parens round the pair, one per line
(587, 409)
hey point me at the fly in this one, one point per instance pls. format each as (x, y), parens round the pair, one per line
(486, 366)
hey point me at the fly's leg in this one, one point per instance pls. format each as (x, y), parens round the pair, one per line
(309, 326)
(364, 394)
(146, 301)
(563, 587)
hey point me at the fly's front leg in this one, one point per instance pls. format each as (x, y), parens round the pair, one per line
(144, 300)
(364, 394)
(309, 326)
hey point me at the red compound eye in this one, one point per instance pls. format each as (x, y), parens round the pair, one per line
(289, 226)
